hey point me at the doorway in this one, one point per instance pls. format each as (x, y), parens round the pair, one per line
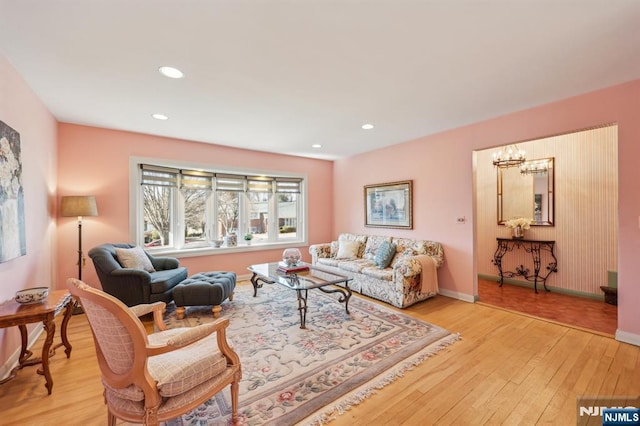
(585, 228)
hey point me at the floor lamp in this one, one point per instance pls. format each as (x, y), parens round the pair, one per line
(79, 205)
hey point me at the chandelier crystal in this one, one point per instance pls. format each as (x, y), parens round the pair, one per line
(509, 156)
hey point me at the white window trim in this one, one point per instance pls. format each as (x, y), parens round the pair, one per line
(136, 214)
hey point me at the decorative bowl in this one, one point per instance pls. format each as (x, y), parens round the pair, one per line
(291, 256)
(32, 295)
(216, 243)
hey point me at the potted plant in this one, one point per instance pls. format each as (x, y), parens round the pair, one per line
(248, 237)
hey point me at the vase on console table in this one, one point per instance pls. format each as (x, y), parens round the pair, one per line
(517, 232)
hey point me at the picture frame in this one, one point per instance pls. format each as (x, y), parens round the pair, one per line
(389, 205)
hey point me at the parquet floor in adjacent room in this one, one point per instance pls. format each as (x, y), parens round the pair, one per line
(568, 310)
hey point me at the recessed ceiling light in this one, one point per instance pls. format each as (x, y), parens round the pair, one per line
(316, 145)
(367, 126)
(171, 72)
(160, 116)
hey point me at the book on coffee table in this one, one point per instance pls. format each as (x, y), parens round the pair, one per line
(283, 267)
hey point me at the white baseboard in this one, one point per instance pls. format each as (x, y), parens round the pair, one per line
(626, 337)
(456, 295)
(13, 360)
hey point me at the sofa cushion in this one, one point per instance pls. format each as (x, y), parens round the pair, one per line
(162, 281)
(373, 243)
(327, 261)
(134, 258)
(333, 248)
(384, 254)
(355, 265)
(362, 239)
(381, 274)
(348, 250)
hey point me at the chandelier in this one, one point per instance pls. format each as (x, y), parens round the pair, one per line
(509, 156)
(535, 167)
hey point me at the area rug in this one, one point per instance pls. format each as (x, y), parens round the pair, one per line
(291, 375)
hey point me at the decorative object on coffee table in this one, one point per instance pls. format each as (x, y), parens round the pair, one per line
(291, 257)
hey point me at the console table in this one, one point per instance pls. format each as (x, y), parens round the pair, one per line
(13, 313)
(535, 247)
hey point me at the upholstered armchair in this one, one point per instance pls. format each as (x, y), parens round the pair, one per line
(157, 377)
(138, 284)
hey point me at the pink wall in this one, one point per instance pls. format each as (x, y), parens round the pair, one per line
(21, 109)
(96, 161)
(441, 167)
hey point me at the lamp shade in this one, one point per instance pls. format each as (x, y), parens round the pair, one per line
(79, 205)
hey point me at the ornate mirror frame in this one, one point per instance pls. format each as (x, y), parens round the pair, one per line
(527, 195)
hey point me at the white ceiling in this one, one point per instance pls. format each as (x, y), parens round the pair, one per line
(281, 75)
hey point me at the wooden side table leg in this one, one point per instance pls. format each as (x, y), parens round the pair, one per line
(24, 352)
(50, 327)
(63, 329)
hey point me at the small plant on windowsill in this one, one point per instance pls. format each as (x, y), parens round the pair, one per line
(248, 237)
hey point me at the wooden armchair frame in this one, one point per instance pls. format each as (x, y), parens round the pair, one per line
(108, 316)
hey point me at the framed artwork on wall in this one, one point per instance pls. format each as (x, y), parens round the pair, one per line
(12, 227)
(389, 205)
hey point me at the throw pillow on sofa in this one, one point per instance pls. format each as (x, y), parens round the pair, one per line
(134, 258)
(348, 250)
(385, 254)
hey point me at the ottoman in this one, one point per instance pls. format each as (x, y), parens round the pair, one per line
(203, 289)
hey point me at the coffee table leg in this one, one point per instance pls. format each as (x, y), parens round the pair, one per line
(302, 307)
(256, 284)
(345, 294)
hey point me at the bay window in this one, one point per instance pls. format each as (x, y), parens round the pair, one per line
(186, 209)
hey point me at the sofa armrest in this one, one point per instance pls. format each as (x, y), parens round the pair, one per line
(319, 251)
(435, 250)
(407, 266)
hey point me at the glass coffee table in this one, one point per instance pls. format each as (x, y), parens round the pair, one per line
(301, 282)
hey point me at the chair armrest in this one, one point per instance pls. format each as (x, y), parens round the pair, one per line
(164, 263)
(138, 273)
(196, 333)
(157, 308)
(190, 336)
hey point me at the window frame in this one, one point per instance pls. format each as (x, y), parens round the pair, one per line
(136, 213)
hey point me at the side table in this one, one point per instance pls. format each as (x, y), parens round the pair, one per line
(13, 313)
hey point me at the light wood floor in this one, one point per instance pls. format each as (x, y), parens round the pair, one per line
(506, 369)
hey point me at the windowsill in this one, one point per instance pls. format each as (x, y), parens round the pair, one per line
(242, 247)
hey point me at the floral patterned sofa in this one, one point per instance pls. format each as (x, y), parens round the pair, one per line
(410, 277)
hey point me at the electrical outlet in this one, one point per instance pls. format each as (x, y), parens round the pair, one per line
(461, 219)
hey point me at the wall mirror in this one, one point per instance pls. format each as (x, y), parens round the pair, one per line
(527, 191)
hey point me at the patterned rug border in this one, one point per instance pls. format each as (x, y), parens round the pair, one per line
(362, 393)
